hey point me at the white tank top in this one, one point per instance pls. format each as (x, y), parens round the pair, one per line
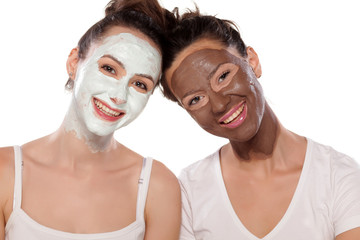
(21, 226)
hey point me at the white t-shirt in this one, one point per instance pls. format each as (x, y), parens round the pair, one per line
(326, 201)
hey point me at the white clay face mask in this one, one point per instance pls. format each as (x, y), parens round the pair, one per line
(105, 97)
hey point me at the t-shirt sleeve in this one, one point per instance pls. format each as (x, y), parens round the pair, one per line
(186, 230)
(346, 189)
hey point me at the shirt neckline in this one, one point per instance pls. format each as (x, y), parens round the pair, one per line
(283, 220)
(117, 233)
(18, 212)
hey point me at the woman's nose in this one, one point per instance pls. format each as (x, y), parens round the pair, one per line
(117, 101)
(219, 102)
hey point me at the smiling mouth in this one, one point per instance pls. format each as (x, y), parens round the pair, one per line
(235, 116)
(106, 112)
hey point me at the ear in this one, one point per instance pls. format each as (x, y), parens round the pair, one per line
(254, 61)
(72, 63)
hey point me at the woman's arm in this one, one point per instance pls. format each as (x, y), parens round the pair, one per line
(6, 186)
(2, 224)
(349, 235)
(163, 205)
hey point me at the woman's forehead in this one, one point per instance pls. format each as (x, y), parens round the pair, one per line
(196, 70)
(115, 30)
(207, 58)
(196, 46)
(134, 54)
(202, 64)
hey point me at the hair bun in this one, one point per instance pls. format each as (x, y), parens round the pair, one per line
(150, 8)
(131, 5)
(114, 6)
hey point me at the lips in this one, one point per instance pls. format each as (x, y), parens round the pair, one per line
(235, 117)
(106, 112)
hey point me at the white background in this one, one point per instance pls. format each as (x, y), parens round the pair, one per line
(309, 52)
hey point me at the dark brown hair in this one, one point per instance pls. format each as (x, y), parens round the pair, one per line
(192, 26)
(146, 16)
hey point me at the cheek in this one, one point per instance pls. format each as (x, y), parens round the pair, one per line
(203, 117)
(241, 84)
(137, 101)
(256, 91)
(260, 98)
(91, 81)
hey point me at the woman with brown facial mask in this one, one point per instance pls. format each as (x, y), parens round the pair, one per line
(267, 182)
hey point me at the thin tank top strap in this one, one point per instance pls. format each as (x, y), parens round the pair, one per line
(18, 177)
(143, 187)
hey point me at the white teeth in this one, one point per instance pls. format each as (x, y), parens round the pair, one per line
(106, 110)
(234, 115)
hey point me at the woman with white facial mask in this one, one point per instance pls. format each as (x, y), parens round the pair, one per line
(79, 182)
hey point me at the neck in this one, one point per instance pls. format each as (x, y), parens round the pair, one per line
(262, 145)
(272, 149)
(65, 149)
(73, 127)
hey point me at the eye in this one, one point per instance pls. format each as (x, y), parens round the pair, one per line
(223, 76)
(140, 85)
(195, 100)
(108, 69)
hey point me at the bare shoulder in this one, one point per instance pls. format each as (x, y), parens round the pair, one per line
(350, 234)
(128, 154)
(6, 165)
(162, 178)
(164, 187)
(6, 180)
(163, 205)
(6, 152)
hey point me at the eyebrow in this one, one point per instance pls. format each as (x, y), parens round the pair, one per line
(188, 94)
(145, 76)
(211, 74)
(122, 65)
(117, 61)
